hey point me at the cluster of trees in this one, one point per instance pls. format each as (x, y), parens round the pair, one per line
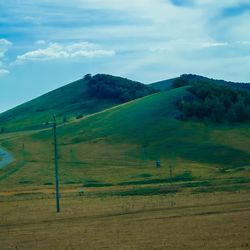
(188, 79)
(120, 89)
(180, 82)
(216, 103)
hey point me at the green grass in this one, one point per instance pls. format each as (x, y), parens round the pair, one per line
(120, 146)
(149, 124)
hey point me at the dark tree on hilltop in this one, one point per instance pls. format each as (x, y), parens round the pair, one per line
(87, 77)
(180, 82)
(117, 88)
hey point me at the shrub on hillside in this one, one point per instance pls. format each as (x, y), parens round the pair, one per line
(79, 116)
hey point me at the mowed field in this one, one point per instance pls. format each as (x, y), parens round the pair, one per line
(112, 194)
(195, 221)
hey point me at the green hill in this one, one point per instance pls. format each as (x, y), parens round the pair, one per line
(87, 96)
(71, 101)
(119, 146)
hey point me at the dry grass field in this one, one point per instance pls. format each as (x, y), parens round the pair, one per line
(182, 221)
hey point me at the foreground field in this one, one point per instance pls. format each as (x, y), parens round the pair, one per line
(194, 221)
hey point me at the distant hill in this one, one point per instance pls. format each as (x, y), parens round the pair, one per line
(166, 84)
(162, 85)
(72, 101)
(237, 85)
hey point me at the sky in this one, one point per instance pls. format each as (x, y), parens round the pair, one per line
(47, 44)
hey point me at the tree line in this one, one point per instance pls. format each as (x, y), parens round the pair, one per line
(117, 88)
(213, 102)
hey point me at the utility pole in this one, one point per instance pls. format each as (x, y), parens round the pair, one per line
(56, 166)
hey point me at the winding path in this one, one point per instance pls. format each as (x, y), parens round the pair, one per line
(5, 158)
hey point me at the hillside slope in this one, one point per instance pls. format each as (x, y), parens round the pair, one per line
(67, 103)
(123, 143)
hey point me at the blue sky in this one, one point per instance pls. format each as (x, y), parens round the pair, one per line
(46, 44)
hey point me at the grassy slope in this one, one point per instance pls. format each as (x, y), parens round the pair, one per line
(149, 123)
(121, 144)
(69, 100)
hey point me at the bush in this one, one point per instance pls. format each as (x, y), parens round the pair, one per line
(79, 116)
(65, 119)
(48, 183)
(24, 181)
(142, 175)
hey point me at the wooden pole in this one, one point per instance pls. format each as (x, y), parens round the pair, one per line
(56, 166)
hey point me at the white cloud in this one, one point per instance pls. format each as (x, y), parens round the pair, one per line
(214, 44)
(56, 51)
(4, 72)
(4, 46)
(243, 42)
(40, 42)
(182, 46)
(4, 42)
